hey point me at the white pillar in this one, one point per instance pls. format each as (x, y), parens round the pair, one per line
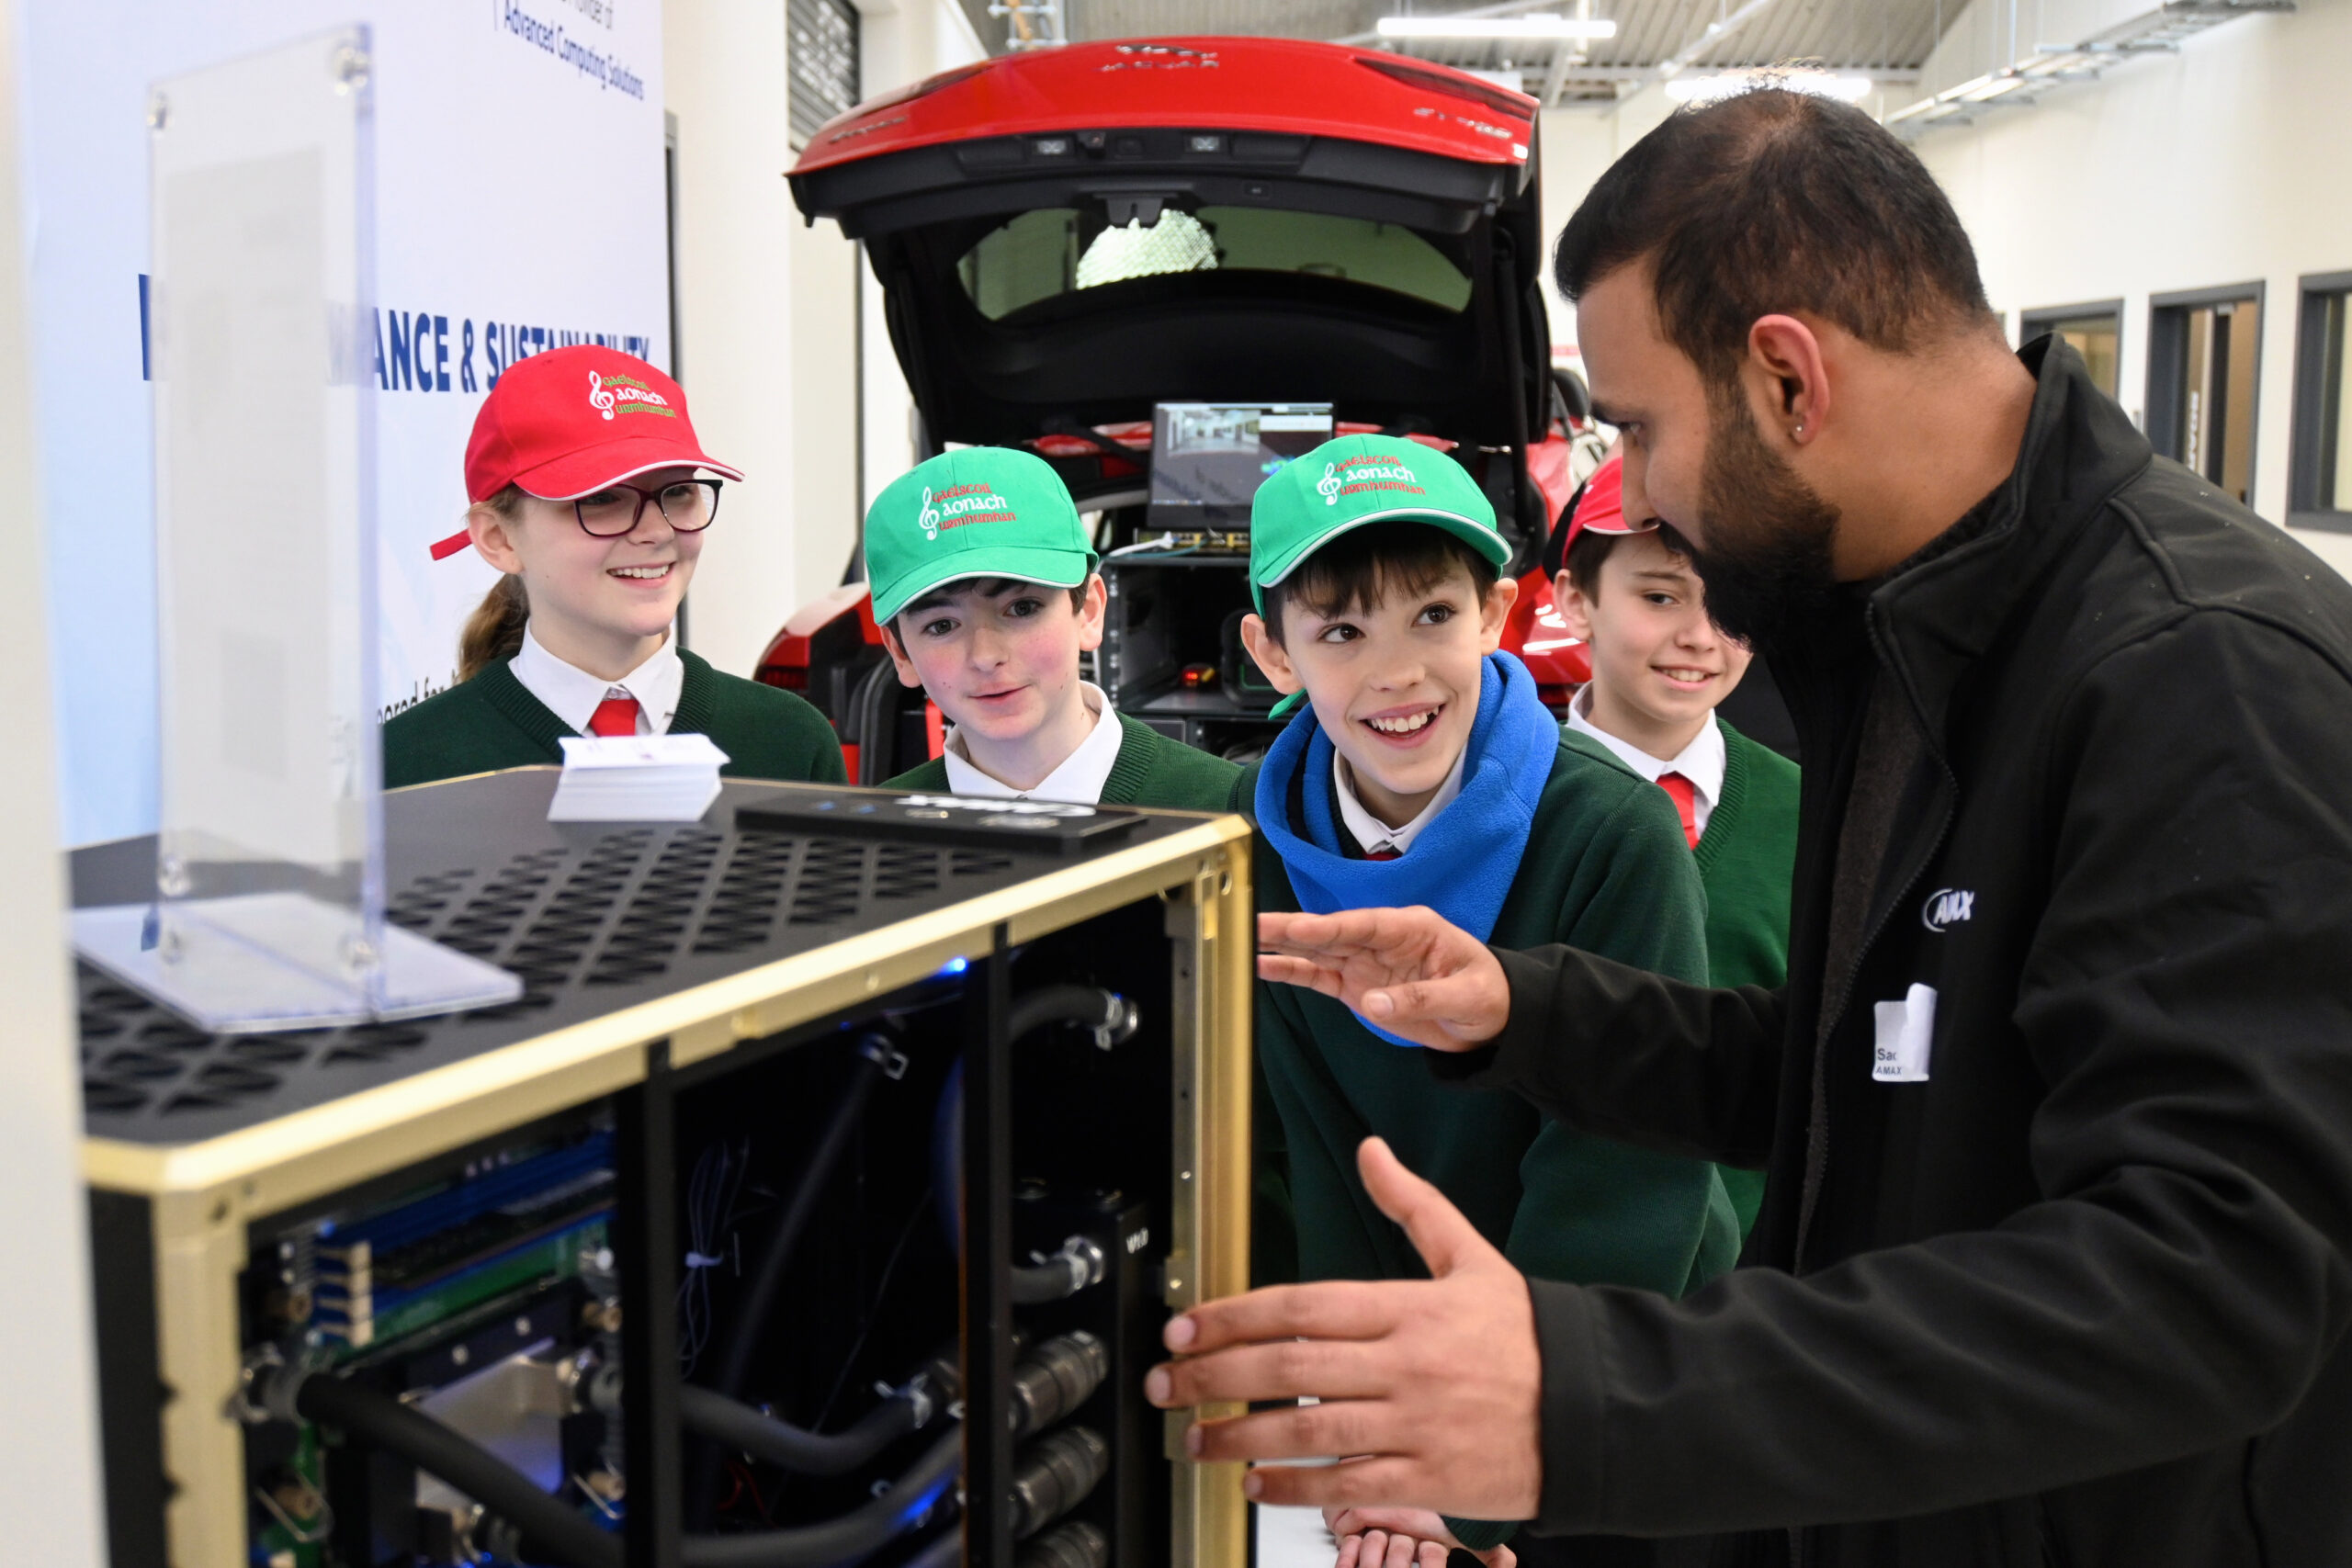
(49, 1427)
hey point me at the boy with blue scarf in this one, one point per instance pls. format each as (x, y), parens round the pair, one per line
(1420, 767)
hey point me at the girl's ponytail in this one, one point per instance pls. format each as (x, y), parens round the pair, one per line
(494, 630)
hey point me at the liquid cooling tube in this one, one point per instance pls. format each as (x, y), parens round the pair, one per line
(904, 1504)
(556, 1533)
(1113, 1018)
(795, 1449)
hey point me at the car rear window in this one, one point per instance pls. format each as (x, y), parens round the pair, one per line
(1051, 252)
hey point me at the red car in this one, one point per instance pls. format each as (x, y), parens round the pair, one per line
(1067, 237)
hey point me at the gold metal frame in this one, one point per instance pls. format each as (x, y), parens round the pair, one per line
(204, 1195)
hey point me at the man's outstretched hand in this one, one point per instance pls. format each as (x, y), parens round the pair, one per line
(1431, 1386)
(1406, 970)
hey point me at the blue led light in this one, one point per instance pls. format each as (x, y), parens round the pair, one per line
(920, 1509)
(955, 966)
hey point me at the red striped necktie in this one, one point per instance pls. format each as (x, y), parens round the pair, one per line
(1686, 804)
(613, 715)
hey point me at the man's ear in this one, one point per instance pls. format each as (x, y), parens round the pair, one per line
(493, 539)
(1495, 611)
(1270, 655)
(1089, 615)
(1787, 380)
(897, 648)
(1576, 611)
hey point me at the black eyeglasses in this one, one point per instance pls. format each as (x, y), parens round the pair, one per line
(688, 506)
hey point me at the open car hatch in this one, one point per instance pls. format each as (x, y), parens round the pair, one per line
(1067, 237)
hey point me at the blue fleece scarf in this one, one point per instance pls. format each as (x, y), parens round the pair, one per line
(1462, 863)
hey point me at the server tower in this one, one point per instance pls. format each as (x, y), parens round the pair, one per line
(819, 1201)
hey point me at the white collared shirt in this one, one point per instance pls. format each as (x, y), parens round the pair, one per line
(1077, 781)
(572, 694)
(1701, 762)
(1371, 834)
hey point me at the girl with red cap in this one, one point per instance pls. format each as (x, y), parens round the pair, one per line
(590, 491)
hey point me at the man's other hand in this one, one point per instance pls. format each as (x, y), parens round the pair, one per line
(1406, 970)
(1433, 1386)
(1400, 1537)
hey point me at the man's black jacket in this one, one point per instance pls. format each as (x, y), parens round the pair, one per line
(2080, 1296)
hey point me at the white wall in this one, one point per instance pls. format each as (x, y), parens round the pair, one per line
(773, 330)
(2219, 165)
(49, 1444)
(724, 80)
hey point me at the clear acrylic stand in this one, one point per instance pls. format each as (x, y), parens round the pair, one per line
(269, 875)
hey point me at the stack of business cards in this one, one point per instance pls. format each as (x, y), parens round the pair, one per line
(635, 778)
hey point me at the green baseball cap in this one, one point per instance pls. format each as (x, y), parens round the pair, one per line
(980, 512)
(1355, 479)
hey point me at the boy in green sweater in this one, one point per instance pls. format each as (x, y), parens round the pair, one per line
(1660, 668)
(1420, 768)
(984, 583)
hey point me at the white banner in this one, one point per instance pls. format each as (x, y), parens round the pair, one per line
(519, 207)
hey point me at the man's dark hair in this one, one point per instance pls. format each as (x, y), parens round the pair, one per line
(1589, 550)
(1365, 565)
(1773, 201)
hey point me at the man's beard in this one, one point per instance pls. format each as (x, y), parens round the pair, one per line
(1766, 560)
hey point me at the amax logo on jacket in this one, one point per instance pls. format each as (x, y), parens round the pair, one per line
(955, 507)
(626, 394)
(1359, 474)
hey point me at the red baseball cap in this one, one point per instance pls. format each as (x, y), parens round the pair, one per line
(1601, 508)
(568, 422)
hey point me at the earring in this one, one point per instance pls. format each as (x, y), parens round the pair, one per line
(1799, 431)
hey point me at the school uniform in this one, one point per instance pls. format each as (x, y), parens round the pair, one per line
(1603, 868)
(515, 711)
(1744, 800)
(1120, 763)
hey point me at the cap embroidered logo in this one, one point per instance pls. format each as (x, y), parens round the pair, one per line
(599, 399)
(1328, 487)
(955, 507)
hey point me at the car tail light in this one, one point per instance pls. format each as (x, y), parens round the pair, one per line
(1517, 106)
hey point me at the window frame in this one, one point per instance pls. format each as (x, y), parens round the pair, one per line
(2033, 323)
(2168, 355)
(2305, 439)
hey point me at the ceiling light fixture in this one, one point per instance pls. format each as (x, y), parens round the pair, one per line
(1706, 89)
(1515, 29)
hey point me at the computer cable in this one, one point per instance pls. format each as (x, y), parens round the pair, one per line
(553, 1532)
(711, 1414)
(741, 1337)
(1112, 1019)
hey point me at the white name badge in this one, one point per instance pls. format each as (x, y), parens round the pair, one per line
(1905, 1034)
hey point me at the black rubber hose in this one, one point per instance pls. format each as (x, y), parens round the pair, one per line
(553, 1532)
(752, 1313)
(795, 1449)
(1036, 1283)
(947, 1551)
(844, 1540)
(768, 1279)
(1031, 1012)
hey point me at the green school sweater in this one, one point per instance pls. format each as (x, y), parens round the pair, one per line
(493, 721)
(1151, 769)
(1746, 860)
(1607, 870)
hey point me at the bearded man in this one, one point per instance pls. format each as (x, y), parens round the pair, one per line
(2055, 1262)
